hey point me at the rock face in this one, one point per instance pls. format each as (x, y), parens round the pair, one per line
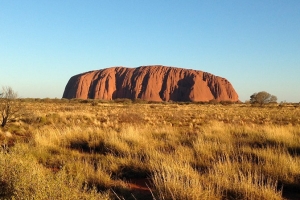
(153, 83)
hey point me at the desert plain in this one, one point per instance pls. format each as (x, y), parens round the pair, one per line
(124, 149)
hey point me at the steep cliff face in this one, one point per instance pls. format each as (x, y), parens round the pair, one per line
(153, 83)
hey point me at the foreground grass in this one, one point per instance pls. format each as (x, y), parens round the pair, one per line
(72, 150)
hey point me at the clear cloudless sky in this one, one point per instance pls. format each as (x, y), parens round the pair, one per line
(254, 44)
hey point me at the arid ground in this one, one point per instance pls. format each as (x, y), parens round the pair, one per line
(123, 149)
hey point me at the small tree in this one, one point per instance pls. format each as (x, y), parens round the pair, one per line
(9, 106)
(262, 98)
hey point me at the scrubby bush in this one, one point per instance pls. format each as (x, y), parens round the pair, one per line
(123, 101)
(262, 98)
(10, 106)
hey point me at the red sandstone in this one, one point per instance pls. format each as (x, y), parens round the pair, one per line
(152, 83)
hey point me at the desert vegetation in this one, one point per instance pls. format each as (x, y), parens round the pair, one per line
(9, 105)
(263, 98)
(123, 149)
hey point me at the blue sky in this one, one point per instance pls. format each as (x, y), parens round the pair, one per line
(254, 44)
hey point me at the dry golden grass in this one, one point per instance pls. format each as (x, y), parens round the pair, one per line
(61, 149)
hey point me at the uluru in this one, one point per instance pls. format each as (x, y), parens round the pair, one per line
(152, 83)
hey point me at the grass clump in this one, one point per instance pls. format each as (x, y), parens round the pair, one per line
(22, 177)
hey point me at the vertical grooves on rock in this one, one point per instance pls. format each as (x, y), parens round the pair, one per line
(164, 88)
(155, 83)
(91, 89)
